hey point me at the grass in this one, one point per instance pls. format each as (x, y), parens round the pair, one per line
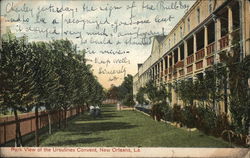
(126, 128)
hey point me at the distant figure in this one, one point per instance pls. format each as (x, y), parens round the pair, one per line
(118, 106)
(92, 110)
(97, 111)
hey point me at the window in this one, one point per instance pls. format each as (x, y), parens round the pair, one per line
(198, 15)
(210, 6)
(188, 23)
(181, 32)
(174, 38)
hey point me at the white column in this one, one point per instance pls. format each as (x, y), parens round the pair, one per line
(185, 55)
(205, 45)
(217, 38)
(179, 54)
(164, 66)
(168, 61)
(173, 60)
(230, 24)
(205, 39)
(179, 59)
(195, 46)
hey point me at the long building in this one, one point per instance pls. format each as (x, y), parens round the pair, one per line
(193, 45)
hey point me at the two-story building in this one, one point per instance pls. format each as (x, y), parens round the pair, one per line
(192, 46)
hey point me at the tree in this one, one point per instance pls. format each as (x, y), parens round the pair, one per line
(158, 96)
(140, 95)
(238, 74)
(16, 76)
(124, 92)
(47, 81)
(185, 90)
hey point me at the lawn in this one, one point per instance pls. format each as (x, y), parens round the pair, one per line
(126, 128)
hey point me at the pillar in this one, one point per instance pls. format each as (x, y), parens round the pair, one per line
(164, 66)
(173, 60)
(217, 38)
(205, 39)
(152, 74)
(168, 63)
(205, 45)
(185, 52)
(185, 56)
(195, 46)
(179, 59)
(230, 24)
(179, 54)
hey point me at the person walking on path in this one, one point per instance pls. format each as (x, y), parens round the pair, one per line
(97, 111)
(92, 110)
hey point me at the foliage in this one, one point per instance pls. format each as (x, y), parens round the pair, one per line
(53, 75)
(177, 114)
(158, 97)
(128, 100)
(238, 72)
(131, 128)
(185, 90)
(189, 116)
(157, 111)
(167, 113)
(16, 79)
(206, 119)
(140, 96)
(222, 124)
(124, 92)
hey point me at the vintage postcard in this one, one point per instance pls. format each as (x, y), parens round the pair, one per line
(125, 78)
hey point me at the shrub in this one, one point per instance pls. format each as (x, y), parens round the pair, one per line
(206, 121)
(128, 100)
(189, 116)
(167, 113)
(177, 115)
(222, 124)
(157, 111)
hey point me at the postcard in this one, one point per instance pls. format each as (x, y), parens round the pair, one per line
(124, 78)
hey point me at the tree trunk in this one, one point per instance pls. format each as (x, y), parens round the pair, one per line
(65, 118)
(18, 139)
(82, 109)
(59, 119)
(49, 119)
(37, 127)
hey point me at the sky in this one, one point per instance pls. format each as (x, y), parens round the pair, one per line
(116, 35)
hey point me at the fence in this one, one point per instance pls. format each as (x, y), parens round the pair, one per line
(110, 101)
(27, 122)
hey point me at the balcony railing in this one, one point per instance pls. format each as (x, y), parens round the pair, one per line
(210, 60)
(210, 48)
(181, 72)
(175, 75)
(169, 77)
(199, 65)
(224, 41)
(190, 59)
(189, 68)
(166, 71)
(179, 64)
(170, 70)
(200, 54)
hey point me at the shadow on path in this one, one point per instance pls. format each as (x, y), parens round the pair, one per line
(77, 141)
(88, 128)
